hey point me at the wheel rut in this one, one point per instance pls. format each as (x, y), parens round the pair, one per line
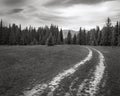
(49, 89)
(83, 79)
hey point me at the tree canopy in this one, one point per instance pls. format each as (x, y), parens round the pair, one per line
(13, 34)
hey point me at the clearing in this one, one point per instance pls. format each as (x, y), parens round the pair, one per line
(64, 70)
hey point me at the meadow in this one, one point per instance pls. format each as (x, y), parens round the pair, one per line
(24, 66)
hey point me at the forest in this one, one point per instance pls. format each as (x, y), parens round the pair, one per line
(13, 34)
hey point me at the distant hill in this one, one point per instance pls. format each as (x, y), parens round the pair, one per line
(65, 32)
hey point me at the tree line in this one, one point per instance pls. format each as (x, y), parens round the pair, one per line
(13, 34)
(109, 35)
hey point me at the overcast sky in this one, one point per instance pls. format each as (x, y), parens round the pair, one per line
(68, 14)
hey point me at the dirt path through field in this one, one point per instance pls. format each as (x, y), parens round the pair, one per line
(71, 83)
(47, 89)
(89, 87)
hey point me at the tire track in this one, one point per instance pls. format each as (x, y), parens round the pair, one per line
(89, 87)
(49, 88)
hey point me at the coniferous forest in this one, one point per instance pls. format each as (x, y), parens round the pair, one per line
(13, 34)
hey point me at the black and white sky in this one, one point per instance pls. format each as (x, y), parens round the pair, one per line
(68, 14)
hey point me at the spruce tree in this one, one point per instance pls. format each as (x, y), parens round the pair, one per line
(1, 31)
(69, 38)
(79, 37)
(119, 35)
(74, 41)
(115, 35)
(12, 39)
(61, 37)
(50, 40)
(107, 33)
(84, 37)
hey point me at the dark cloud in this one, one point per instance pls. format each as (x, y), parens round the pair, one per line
(72, 2)
(12, 11)
(16, 11)
(13, 2)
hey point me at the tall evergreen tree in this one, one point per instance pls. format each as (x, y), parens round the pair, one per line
(12, 39)
(97, 35)
(50, 40)
(69, 38)
(88, 38)
(79, 40)
(74, 41)
(84, 37)
(115, 34)
(1, 31)
(107, 33)
(61, 37)
(92, 37)
(119, 35)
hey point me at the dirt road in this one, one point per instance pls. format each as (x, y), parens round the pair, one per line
(83, 79)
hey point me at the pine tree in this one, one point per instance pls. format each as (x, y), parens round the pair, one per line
(119, 40)
(115, 35)
(99, 39)
(69, 38)
(1, 31)
(61, 37)
(119, 35)
(92, 37)
(74, 41)
(58, 42)
(84, 37)
(97, 35)
(88, 38)
(50, 40)
(79, 40)
(107, 33)
(12, 40)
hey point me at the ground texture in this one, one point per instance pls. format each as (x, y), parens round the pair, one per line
(59, 71)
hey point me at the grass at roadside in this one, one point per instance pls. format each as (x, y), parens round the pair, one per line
(21, 66)
(112, 56)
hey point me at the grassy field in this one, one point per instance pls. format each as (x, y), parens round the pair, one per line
(112, 56)
(22, 67)
(25, 66)
(84, 71)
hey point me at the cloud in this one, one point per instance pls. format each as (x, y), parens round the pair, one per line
(13, 2)
(64, 3)
(50, 18)
(10, 12)
(15, 11)
(68, 14)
